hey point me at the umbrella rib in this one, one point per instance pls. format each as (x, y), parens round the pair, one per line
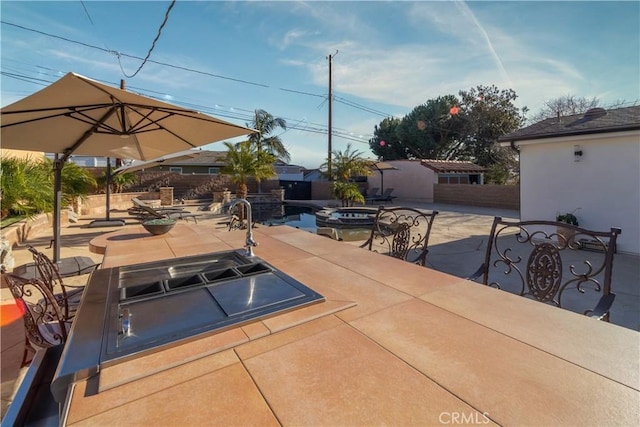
(67, 111)
(87, 134)
(134, 127)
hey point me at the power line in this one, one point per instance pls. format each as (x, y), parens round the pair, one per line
(316, 129)
(153, 45)
(86, 12)
(237, 80)
(113, 52)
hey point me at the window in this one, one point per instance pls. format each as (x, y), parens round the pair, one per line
(175, 169)
(453, 179)
(214, 171)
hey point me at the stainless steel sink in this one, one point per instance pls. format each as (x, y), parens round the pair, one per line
(130, 311)
(206, 294)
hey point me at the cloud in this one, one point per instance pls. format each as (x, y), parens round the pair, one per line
(453, 49)
(294, 36)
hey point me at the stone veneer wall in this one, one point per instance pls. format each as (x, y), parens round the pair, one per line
(489, 195)
(95, 205)
(20, 231)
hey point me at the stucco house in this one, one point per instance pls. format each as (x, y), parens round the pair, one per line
(588, 164)
(414, 179)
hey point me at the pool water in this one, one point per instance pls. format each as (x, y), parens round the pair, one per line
(302, 217)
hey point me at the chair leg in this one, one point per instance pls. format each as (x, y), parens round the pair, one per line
(27, 348)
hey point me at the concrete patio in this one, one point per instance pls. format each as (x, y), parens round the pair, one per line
(457, 246)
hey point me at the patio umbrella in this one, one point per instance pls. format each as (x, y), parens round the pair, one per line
(140, 165)
(381, 167)
(77, 115)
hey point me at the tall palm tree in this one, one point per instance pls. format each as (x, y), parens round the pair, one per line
(244, 160)
(266, 124)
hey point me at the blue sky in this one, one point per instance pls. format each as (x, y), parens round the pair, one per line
(229, 58)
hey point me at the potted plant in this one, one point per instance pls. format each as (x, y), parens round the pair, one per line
(566, 218)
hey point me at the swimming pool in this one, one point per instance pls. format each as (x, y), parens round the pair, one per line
(304, 218)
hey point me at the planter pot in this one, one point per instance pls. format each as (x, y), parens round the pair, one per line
(565, 234)
(159, 226)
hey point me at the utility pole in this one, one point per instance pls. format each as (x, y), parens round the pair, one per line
(330, 131)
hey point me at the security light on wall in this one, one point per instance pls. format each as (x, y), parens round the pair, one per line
(577, 153)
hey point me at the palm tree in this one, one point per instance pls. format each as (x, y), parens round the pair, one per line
(77, 182)
(243, 161)
(265, 124)
(119, 182)
(344, 166)
(26, 186)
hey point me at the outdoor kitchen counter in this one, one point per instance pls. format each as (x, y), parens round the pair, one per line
(394, 343)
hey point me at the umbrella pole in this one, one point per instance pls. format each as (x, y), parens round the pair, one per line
(381, 181)
(108, 188)
(107, 222)
(57, 199)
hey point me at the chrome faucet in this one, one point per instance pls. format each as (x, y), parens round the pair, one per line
(249, 243)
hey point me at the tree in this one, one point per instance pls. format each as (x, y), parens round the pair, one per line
(452, 128)
(430, 131)
(385, 142)
(119, 181)
(265, 124)
(76, 182)
(244, 160)
(346, 165)
(26, 186)
(489, 113)
(569, 105)
(564, 106)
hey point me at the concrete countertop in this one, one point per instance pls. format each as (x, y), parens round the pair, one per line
(394, 343)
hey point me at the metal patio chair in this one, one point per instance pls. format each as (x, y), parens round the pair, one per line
(401, 233)
(67, 296)
(552, 262)
(44, 322)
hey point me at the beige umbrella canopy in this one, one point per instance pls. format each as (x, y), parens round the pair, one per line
(77, 115)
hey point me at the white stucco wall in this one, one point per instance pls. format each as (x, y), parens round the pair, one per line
(603, 187)
(411, 181)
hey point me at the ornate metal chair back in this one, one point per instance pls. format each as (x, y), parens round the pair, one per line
(401, 233)
(50, 276)
(552, 262)
(44, 321)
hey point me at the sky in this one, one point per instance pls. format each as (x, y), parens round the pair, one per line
(228, 59)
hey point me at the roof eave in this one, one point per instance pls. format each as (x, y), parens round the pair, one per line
(506, 139)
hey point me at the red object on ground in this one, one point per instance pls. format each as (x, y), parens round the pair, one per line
(10, 312)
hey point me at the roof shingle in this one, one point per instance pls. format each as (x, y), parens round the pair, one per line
(596, 120)
(452, 166)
